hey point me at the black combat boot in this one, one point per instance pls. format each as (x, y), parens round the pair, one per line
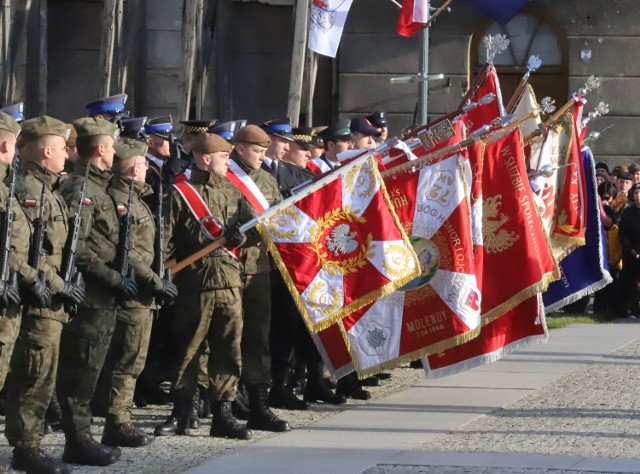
(34, 460)
(240, 405)
(317, 390)
(349, 386)
(125, 435)
(90, 453)
(281, 396)
(224, 425)
(383, 375)
(177, 423)
(260, 415)
(370, 382)
(193, 411)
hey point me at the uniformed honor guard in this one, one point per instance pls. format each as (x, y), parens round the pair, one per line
(280, 133)
(261, 190)
(86, 339)
(44, 153)
(337, 139)
(379, 121)
(293, 165)
(364, 134)
(128, 351)
(210, 300)
(317, 142)
(158, 133)
(133, 128)
(14, 247)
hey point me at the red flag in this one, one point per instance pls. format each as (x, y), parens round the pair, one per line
(414, 15)
(341, 246)
(485, 82)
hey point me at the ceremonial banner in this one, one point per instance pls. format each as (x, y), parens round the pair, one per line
(516, 258)
(485, 82)
(522, 326)
(439, 309)
(325, 27)
(585, 270)
(501, 10)
(342, 246)
(333, 350)
(414, 15)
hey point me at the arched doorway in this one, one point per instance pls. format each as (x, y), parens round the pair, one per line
(531, 33)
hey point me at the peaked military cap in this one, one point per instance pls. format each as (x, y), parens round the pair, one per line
(303, 135)
(37, 127)
(92, 126)
(280, 128)
(253, 135)
(197, 126)
(362, 125)
(225, 129)
(161, 126)
(338, 131)
(210, 143)
(15, 111)
(7, 122)
(112, 104)
(377, 119)
(240, 124)
(133, 127)
(317, 136)
(128, 148)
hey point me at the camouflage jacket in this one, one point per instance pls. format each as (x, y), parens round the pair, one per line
(257, 260)
(183, 235)
(143, 232)
(96, 251)
(29, 182)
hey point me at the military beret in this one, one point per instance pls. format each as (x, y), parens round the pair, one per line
(71, 141)
(207, 143)
(37, 127)
(8, 123)
(128, 148)
(252, 134)
(91, 126)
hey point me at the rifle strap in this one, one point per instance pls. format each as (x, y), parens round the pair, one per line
(210, 224)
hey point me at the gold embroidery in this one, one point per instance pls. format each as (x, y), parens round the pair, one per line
(495, 239)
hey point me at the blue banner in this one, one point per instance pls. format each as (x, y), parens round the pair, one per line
(585, 270)
(501, 10)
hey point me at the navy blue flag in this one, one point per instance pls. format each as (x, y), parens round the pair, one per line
(501, 10)
(585, 270)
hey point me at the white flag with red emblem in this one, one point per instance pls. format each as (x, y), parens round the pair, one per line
(327, 22)
(341, 247)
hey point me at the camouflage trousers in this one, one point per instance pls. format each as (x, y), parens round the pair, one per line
(85, 343)
(9, 329)
(216, 317)
(256, 306)
(33, 379)
(124, 363)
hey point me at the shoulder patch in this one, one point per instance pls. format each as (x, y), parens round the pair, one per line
(29, 202)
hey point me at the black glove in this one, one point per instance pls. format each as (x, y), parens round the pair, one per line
(234, 235)
(127, 288)
(40, 293)
(73, 292)
(9, 294)
(168, 292)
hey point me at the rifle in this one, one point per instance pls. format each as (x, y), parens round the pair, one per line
(124, 241)
(37, 240)
(68, 270)
(158, 243)
(7, 276)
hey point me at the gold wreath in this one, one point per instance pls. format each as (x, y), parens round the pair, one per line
(349, 265)
(400, 259)
(318, 298)
(350, 181)
(275, 227)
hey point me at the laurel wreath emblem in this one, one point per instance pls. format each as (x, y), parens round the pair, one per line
(286, 219)
(323, 297)
(357, 178)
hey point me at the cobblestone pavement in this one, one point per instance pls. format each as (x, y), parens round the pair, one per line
(593, 411)
(177, 453)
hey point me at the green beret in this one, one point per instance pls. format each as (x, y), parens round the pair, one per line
(91, 126)
(128, 148)
(35, 128)
(8, 123)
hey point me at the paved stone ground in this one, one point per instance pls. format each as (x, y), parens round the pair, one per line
(178, 453)
(593, 411)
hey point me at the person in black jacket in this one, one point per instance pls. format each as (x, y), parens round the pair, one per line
(630, 239)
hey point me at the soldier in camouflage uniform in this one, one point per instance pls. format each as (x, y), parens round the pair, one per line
(130, 342)
(85, 341)
(251, 143)
(210, 299)
(9, 295)
(35, 359)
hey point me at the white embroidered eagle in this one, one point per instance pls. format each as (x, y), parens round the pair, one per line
(342, 240)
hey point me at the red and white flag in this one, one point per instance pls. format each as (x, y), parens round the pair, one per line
(341, 246)
(326, 24)
(484, 83)
(414, 15)
(440, 308)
